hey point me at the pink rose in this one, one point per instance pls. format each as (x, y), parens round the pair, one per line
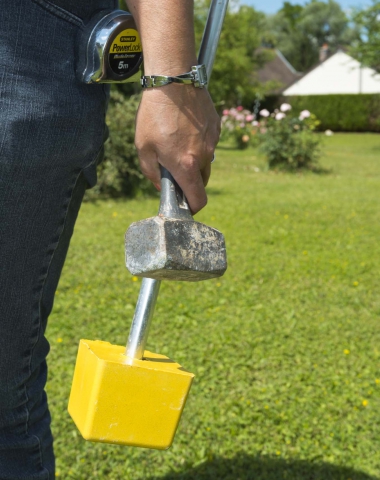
(240, 108)
(249, 118)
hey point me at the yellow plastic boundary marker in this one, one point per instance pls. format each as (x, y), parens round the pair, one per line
(138, 405)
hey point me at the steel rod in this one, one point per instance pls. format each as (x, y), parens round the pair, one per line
(211, 34)
(138, 334)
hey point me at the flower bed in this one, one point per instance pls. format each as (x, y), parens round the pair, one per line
(287, 140)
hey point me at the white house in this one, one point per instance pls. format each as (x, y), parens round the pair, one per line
(338, 74)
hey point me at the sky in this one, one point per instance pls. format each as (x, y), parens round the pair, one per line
(272, 6)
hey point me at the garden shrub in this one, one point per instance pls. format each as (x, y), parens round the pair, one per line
(119, 173)
(288, 141)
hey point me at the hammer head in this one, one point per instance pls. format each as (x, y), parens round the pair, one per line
(175, 249)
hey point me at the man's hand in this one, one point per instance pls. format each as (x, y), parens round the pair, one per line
(177, 125)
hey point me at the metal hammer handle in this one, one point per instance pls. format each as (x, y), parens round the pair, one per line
(171, 202)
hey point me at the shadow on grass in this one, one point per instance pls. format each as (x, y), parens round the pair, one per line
(226, 147)
(215, 191)
(245, 467)
(318, 170)
(322, 170)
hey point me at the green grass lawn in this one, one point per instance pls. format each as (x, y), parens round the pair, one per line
(285, 347)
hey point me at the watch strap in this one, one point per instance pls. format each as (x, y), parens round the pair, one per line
(197, 77)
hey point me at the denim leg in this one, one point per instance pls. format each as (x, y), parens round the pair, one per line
(51, 136)
(26, 450)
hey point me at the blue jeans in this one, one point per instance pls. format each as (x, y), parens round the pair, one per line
(51, 137)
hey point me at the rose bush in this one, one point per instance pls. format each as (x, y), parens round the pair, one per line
(239, 125)
(289, 141)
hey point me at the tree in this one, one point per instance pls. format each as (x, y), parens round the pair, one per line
(366, 48)
(236, 60)
(300, 31)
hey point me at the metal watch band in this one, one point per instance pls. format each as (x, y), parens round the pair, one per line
(197, 77)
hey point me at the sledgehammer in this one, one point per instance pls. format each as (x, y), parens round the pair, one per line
(172, 246)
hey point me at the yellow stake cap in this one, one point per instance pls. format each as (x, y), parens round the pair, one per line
(138, 404)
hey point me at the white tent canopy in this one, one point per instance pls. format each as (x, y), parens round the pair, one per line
(339, 74)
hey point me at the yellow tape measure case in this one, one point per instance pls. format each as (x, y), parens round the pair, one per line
(109, 49)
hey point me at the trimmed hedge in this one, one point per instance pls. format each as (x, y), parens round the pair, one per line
(346, 113)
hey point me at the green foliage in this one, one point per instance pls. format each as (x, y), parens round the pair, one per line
(233, 81)
(288, 141)
(367, 46)
(276, 396)
(299, 31)
(119, 173)
(349, 113)
(298, 48)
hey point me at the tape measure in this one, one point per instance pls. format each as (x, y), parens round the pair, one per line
(109, 49)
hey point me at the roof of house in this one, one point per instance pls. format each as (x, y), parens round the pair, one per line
(278, 70)
(337, 74)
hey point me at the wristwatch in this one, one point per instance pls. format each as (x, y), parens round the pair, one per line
(197, 76)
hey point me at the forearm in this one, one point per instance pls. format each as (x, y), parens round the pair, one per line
(167, 34)
(176, 125)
